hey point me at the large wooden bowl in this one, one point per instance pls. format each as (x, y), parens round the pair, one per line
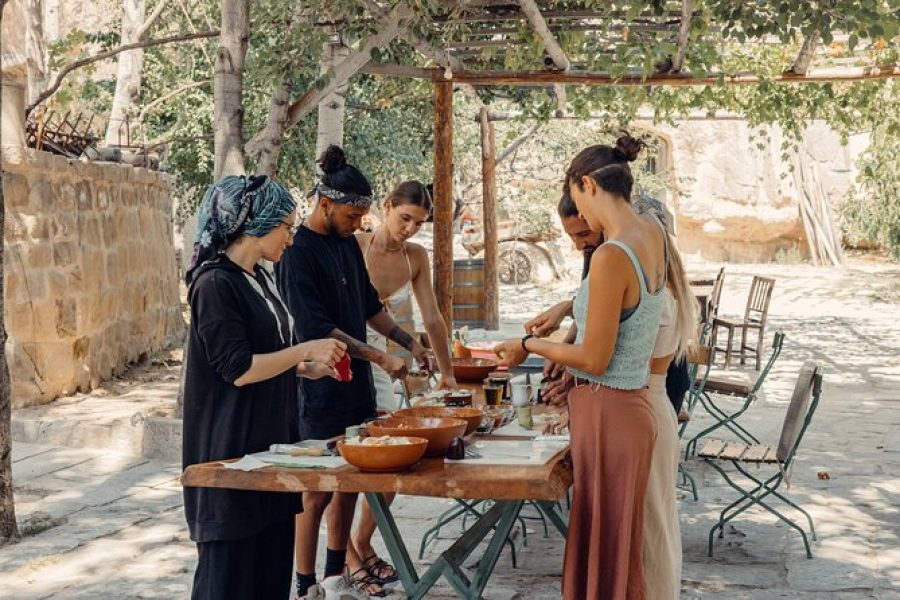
(472, 416)
(384, 459)
(473, 370)
(438, 432)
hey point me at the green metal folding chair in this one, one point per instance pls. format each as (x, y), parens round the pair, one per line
(699, 361)
(727, 387)
(800, 412)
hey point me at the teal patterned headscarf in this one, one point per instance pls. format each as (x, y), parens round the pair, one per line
(233, 206)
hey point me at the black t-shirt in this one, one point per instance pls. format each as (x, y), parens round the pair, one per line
(326, 286)
(233, 316)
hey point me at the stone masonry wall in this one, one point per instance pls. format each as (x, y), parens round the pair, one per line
(89, 263)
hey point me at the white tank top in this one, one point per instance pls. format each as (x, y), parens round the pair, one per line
(667, 338)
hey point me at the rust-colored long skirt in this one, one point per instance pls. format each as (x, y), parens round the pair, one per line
(612, 438)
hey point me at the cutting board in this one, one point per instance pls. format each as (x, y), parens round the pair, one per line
(512, 453)
(301, 462)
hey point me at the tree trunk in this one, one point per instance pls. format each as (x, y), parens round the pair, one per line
(330, 129)
(128, 76)
(35, 48)
(489, 212)
(443, 199)
(273, 134)
(8, 529)
(228, 114)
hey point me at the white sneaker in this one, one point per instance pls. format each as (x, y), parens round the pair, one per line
(338, 587)
(315, 592)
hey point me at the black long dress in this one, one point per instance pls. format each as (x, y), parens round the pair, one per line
(235, 315)
(325, 284)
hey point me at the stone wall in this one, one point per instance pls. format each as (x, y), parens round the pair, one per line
(89, 263)
(735, 196)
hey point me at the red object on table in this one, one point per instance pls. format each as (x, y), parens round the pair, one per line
(343, 368)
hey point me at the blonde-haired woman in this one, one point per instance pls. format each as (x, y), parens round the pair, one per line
(662, 532)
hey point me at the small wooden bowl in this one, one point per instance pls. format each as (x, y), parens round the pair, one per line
(384, 459)
(472, 416)
(438, 432)
(473, 370)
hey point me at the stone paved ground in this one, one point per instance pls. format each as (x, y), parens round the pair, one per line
(115, 524)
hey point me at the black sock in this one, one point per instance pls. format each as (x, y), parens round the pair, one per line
(334, 561)
(304, 582)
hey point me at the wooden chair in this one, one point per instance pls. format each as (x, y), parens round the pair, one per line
(710, 309)
(755, 316)
(729, 386)
(716, 453)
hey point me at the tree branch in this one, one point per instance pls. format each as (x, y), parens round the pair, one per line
(109, 54)
(514, 145)
(144, 29)
(169, 96)
(684, 34)
(551, 47)
(807, 51)
(388, 29)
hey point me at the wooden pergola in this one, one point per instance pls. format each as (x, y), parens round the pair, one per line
(477, 28)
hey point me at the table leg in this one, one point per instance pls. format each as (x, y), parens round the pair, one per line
(450, 563)
(551, 510)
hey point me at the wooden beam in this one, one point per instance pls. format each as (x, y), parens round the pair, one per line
(489, 220)
(395, 70)
(807, 51)
(492, 78)
(388, 29)
(443, 199)
(684, 35)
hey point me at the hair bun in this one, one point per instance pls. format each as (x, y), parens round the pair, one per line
(332, 160)
(627, 148)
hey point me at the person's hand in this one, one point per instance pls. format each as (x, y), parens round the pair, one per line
(559, 426)
(328, 351)
(548, 321)
(395, 366)
(510, 353)
(316, 370)
(423, 357)
(556, 392)
(447, 382)
(553, 370)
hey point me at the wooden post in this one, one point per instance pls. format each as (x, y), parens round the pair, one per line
(443, 198)
(489, 219)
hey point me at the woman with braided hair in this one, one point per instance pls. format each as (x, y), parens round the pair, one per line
(240, 393)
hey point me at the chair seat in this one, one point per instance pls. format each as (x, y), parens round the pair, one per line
(734, 384)
(722, 450)
(724, 322)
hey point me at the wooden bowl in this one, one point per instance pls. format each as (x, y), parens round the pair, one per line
(384, 459)
(473, 370)
(472, 416)
(438, 432)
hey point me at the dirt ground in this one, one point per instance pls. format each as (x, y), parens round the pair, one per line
(104, 522)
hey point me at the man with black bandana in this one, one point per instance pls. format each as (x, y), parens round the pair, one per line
(325, 283)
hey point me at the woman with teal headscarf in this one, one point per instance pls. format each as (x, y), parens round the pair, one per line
(240, 393)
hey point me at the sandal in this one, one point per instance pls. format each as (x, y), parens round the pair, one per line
(381, 570)
(366, 582)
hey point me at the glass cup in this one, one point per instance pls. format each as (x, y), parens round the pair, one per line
(501, 378)
(493, 393)
(523, 413)
(521, 394)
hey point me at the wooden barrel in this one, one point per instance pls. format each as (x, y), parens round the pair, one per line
(468, 293)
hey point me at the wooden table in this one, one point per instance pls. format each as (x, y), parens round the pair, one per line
(508, 486)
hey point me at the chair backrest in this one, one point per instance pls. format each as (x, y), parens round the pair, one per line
(700, 360)
(715, 296)
(777, 345)
(758, 300)
(800, 411)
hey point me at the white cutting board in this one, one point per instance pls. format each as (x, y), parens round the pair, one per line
(512, 453)
(299, 462)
